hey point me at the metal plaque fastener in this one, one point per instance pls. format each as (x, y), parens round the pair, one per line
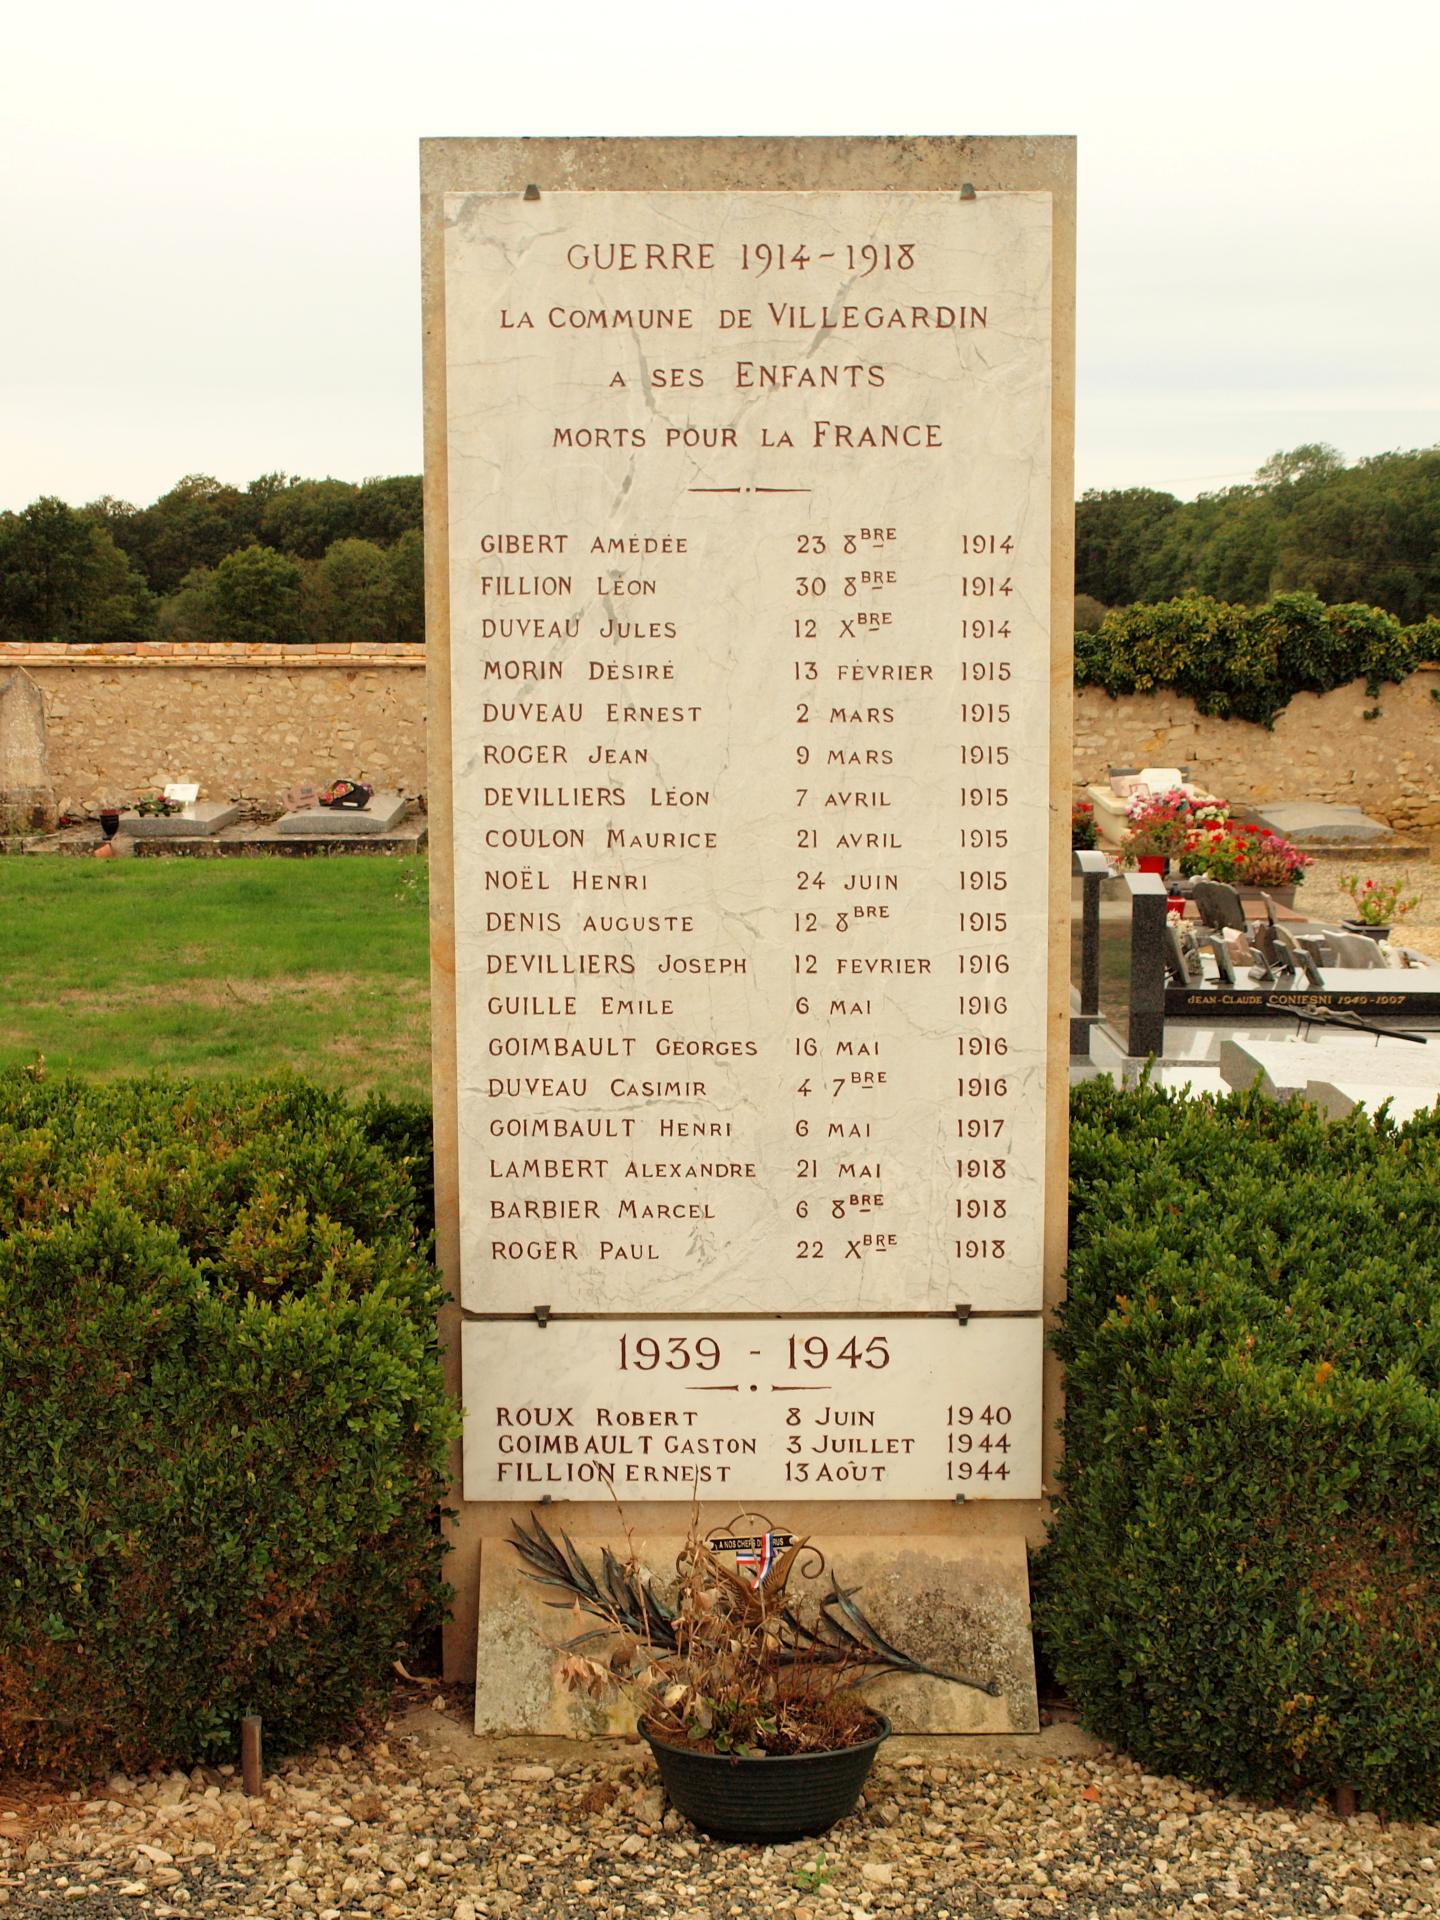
(962, 1313)
(967, 192)
(542, 1315)
(532, 192)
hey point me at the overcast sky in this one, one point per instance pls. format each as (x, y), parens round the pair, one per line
(209, 226)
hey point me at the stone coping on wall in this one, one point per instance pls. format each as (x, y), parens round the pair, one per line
(196, 653)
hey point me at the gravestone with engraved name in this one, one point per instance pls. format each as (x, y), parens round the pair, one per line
(26, 796)
(746, 523)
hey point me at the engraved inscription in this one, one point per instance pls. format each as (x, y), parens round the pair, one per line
(749, 583)
(829, 1410)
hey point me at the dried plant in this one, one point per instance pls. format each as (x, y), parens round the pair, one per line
(722, 1664)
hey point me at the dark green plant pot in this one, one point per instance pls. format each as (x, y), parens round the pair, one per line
(770, 1797)
(1364, 926)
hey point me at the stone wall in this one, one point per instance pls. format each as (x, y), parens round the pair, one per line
(246, 722)
(250, 722)
(1322, 747)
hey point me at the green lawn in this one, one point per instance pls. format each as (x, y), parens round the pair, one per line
(218, 966)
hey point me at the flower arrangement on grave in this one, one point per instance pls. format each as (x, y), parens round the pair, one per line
(726, 1660)
(154, 804)
(1378, 903)
(1244, 856)
(1084, 835)
(1270, 860)
(352, 795)
(1161, 824)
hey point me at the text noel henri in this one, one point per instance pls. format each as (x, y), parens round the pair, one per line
(566, 715)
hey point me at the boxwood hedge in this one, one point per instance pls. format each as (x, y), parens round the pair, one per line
(1242, 1584)
(222, 1425)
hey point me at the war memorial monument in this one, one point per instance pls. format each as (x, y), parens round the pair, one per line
(748, 510)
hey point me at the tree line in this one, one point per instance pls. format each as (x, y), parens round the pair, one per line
(1307, 522)
(282, 559)
(289, 559)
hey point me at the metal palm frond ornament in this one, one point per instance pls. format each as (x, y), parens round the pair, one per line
(623, 1598)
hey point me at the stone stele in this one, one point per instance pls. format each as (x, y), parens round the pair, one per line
(749, 564)
(25, 788)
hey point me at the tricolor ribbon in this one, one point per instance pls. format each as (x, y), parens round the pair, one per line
(761, 1559)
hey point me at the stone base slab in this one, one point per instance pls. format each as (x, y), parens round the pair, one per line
(961, 1604)
(204, 817)
(385, 811)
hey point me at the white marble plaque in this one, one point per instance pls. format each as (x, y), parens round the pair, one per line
(749, 575)
(757, 1409)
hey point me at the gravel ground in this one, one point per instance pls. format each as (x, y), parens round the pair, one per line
(462, 1829)
(1320, 895)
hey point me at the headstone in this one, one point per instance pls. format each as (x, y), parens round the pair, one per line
(384, 812)
(1131, 961)
(26, 796)
(1399, 994)
(749, 483)
(200, 818)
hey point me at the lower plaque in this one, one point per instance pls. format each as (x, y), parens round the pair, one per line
(914, 1409)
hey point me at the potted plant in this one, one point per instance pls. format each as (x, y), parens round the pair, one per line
(1245, 856)
(1272, 863)
(746, 1692)
(1084, 835)
(1160, 828)
(1378, 905)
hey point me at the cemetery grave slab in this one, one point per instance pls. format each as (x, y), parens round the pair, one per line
(1352, 1068)
(385, 812)
(1336, 1098)
(203, 817)
(250, 840)
(1319, 823)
